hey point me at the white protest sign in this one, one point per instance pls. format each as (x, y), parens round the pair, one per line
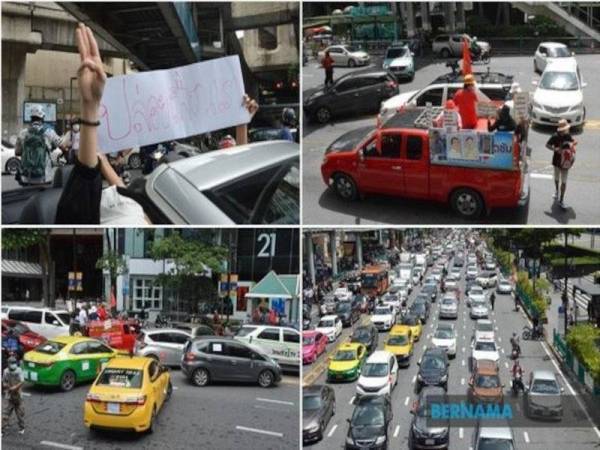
(521, 104)
(450, 120)
(162, 105)
(486, 109)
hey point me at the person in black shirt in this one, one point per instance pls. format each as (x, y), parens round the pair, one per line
(556, 143)
(503, 122)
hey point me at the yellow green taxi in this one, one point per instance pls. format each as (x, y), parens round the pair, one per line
(347, 361)
(65, 361)
(400, 343)
(415, 325)
(127, 395)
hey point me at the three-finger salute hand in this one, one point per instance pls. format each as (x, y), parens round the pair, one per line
(91, 72)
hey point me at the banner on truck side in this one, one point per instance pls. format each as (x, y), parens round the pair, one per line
(163, 105)
(471, 148)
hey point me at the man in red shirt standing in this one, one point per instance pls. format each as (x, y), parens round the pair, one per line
(327, 64)
(466, 101)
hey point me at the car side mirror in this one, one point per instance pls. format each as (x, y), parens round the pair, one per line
(348, 420)
(361, 155)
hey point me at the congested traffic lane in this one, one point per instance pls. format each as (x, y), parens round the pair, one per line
(321, 206)
(226, 416)
(506, 321)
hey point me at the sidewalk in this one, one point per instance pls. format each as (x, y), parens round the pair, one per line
(556, 320)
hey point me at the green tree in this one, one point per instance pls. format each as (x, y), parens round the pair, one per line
(20, 238)
(114, 264)
(189, 257)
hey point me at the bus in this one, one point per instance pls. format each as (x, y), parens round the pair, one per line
(374, 280)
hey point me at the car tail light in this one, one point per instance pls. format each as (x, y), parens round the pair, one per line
(92, 398)
(391, 84)
(136, 400)
(189, 356)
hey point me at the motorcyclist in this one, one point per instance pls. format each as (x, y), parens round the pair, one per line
(517, 375)
(514, 342)
(475, 48)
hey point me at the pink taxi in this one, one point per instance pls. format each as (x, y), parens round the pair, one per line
(313, 345)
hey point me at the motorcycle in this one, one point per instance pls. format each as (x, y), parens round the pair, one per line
(117, 162)
(532, 334)
(516, 352)
(483, 56)
(161, 322)
(517, 384)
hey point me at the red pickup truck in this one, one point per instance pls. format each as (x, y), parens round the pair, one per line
(395, 160)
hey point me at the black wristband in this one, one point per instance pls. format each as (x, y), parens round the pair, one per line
(87, 122)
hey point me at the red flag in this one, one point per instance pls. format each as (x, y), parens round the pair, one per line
(113, 299)
(466, 57)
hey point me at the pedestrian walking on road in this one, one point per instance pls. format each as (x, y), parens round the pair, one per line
(560, 143)
(493, 300)
(327, 64)
(12, 382)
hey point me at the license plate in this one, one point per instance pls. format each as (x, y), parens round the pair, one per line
(429, 441)
(113, 408)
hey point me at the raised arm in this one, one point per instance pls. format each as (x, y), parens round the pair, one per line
(241, 131)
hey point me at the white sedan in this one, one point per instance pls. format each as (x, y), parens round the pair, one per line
(504, 287)
(10, 162)
(476, 294)
(479, 309)
(484, 350)
(346, 55)
(548, 52)
(445, 338)
(330, 326)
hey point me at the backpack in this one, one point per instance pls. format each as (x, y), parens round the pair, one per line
(567, 157)
(35, 150)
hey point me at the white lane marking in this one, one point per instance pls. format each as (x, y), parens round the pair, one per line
(59, 445)
(499, 339)
(175, 388)
(463, 349)
(397, 430)
(541, 176)
(414, 379)
(351, 400)
(26, 394)
(332, 430)
(259, 431)
(496, 328)
(461, 433)
(463, 362)
(506, 365)
(406, 401)
(268, 400)
(526, 436)
(502, 350)
(462, 381)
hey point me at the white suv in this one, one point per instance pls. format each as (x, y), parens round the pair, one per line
(280, 343)
(45, 321)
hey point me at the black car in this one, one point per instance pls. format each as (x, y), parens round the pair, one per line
(421, 310)
(352, 94)
(432, 290)
(366, 335)
(423, 434)
(423, 297)
(369, 423)
(306, 316)
(433, 369)
(318, 407)
(348, 312)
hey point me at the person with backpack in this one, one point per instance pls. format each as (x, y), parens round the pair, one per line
(71, 142)
(288, 119)
(563, 146)
(34, 145)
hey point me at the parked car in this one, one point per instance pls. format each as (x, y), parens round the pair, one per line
(559, 95)
(318, 407)
(43, 321)
(547, 52)
(395, 160)
(433, 369)
(313, 345)
(345, 55)
(379, 375)
(448, 45)
(128, 395)
(369, 423)
(164, 344)
(346, 363)
(280, 343)
(543, 395)
(399, 60)
(366, 335)
(351, 94)
(211, 358)
(330, 326)
(423, 434)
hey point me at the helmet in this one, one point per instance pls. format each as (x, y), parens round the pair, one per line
(12, 360)
(37, 111)
(227, 142)
(288, 116)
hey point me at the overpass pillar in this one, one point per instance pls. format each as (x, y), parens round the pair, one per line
(333, 243)
(359, 254)
(410, 19)
(425, 19)
(460, 16)
(14, 57)
(308, 242)
(449, 16)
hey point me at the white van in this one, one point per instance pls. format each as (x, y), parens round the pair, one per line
(45, 321)
(280, 343)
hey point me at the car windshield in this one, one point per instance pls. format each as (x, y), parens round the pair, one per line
(447, 301)
(494, 444)
(432, 362)
(382, 311)
(360, 334)
(396, 52)
(375, 370)
(418, 307)
(368, 416)
(311, 402)
(559, 81)
(476, 291)
(308, 340)
(409, 320)
(120, 378)
(558, 52)
(50, 347)
(487, 381)
(64, 317)
(352, 48)
(545, 387)
(345, 355)
(485, 327)
(343, 307)
(443, 334)
(329, 323)
(485, 346)
(398, 339)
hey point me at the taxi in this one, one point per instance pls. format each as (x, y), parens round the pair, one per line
(127, 395)
(400, 343)
(65, 361)
(414, 323)
(347, 362)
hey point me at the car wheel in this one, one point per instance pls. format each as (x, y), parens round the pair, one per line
(200, 377)
(333, 410)
(266, 379)
(351, 63)
(323, 115)
(467, 203)
(12, 166)
(154, 357)
(321, 431)
(67, 380)
(152, 419)
(445, 53)
(135, 161)
(169, 390)
(345, 187)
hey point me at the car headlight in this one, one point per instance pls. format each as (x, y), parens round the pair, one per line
(419, 377)
(386, 66)
(444, 378)
(577, 106)
(313, 429)
(536, 104)
(349, 440)
(380, 440)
